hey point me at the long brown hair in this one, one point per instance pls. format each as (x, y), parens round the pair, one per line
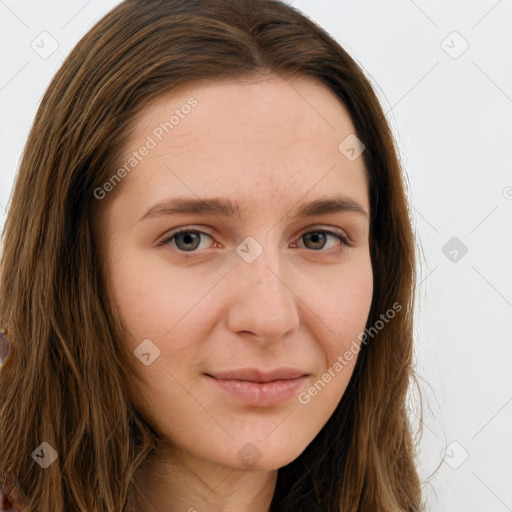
(65, 382)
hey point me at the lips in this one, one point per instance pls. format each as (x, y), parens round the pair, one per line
(258, 388)
(259, 376)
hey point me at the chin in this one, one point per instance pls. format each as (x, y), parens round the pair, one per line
(262, 457)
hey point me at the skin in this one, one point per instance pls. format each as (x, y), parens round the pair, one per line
(269, 144)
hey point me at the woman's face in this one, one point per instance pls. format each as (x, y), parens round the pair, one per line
(256, 290)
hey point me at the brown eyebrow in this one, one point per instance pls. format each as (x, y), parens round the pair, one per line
(228, 208)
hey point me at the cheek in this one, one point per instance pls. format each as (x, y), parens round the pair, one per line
(345, 304)
(151, 299)
(168, 307)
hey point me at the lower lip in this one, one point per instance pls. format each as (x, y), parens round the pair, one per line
(261, 394)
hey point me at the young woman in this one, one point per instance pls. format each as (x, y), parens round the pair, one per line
(207, 276)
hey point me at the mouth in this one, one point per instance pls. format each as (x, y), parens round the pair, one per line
(259, 376)
(258, 388)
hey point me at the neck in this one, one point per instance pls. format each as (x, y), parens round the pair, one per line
(174, 481)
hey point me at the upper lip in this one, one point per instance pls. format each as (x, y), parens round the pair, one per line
(256, 375)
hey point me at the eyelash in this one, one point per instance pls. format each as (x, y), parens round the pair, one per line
(341, 236)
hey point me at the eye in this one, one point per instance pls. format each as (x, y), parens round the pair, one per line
(186, 240)
(189, 240)
(318, 238)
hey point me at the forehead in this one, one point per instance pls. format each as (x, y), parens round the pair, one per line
(250, 106)
(264, 140)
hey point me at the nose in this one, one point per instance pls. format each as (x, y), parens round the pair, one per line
(263, 301)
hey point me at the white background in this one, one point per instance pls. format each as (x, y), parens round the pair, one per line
(451, 110)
